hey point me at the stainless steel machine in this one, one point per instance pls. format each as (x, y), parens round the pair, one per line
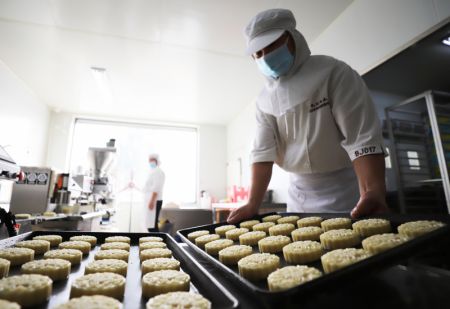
(80, 187)
(32, 194)
(101, 160)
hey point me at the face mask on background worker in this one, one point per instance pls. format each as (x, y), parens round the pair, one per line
(277, 62)
(153, 164)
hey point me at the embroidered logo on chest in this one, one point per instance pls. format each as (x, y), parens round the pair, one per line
(319, 104)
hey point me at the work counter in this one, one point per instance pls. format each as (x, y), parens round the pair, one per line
(75, 222)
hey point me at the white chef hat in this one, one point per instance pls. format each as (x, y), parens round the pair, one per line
(154, 156)
(266, 27)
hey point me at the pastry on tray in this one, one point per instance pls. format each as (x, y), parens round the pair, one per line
(17, 256)
(291, 276)
(302, 252)
(340, 258)
(369, 227)
(251, 238)
(39, 246)
(235, 233)
(164, 281)
(336, 223)
(288, 219)
(151, 245)
(178, 300)
(258, 265)
(215, 246)
(125, 239)
(282, 229)
(307, 233)
(4, 268)
(271, 218)
(221, 230)
(264, 226)
(309, 221)
(81, 245)
(273, 244)
(26, 290)
(115, 245)
(418, 228)
(338, 239)
(90, 239)
(107, 284)
(56, 269)
(194, 235)
(154, 253)
(382, 242)
(150, 239)
(112, 254)
(91, 302)
(249, 224)
(107, 266)
(203, 240)
(54, 240)
(231, 255)
(159, 264)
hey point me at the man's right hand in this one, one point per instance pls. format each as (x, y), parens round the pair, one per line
(242, 213)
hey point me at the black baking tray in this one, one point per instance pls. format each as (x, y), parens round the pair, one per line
(291, 298)
(201, 281)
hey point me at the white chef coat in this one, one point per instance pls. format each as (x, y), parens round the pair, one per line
(334, 192)
(313, 123)
(154, 183)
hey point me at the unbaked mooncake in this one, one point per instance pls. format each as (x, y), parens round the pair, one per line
(290, 276)
(164, 281)
(258, 266)
(178, 300)
(26, 290)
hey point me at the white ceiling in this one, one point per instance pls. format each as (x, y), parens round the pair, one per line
(169, 60)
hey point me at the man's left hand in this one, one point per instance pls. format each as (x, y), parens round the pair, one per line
(368, 204)
(151, 205)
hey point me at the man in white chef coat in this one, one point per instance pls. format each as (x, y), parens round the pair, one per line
(153, 192)
(316, 120)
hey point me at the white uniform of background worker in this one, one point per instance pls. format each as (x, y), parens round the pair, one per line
(316, 120)
(153, 192)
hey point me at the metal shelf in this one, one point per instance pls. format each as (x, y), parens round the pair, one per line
(421, 110)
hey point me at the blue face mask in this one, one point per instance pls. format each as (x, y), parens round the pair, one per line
(277, 62)
(152, 165)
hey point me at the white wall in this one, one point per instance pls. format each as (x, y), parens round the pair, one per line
(368, 32)
(60, 140)
(212, 160)
(364, 35)
(212, 151)
(23, 120)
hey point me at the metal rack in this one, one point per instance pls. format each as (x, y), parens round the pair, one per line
(414, 128)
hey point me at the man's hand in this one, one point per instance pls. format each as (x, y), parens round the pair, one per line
(152, 202)
(370, 170)
(151, 205)
(368, 204)
(241, 213)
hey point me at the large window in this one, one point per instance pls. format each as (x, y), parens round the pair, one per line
(176, 146)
